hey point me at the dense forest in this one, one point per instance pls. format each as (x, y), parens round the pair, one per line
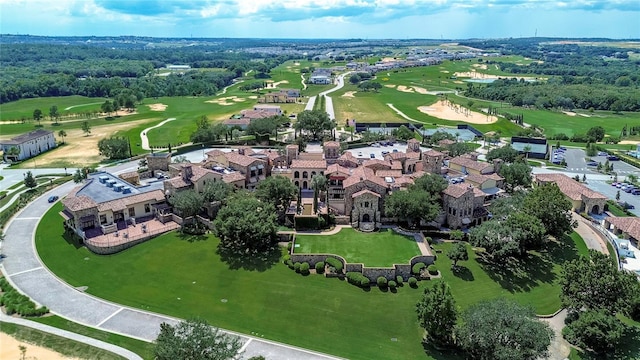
(582, 77)
(42, 70)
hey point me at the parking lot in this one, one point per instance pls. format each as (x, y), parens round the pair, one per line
(609, 191)
(378, 152)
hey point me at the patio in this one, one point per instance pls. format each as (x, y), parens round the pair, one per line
(128, 234)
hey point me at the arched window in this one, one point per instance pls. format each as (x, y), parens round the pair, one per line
(313, 173)
(305, 175)
(366, 204)
(297, 184)
(304, 185)
(296, 174)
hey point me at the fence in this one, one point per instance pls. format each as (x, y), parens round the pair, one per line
(112, 247)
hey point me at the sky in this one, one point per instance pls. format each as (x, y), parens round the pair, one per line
(336, 19)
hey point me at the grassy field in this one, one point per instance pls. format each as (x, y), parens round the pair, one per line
(15, 110)
(383, 248)
(185, 276)
(533, 281)
(69, 348)
(142, 348)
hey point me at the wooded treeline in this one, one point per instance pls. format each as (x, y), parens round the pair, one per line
(582, 77)
(43, 70)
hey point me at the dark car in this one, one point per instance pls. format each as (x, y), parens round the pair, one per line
(635, 191)
(612, 158)
(625, 205)
(53, 198)
(592, 163)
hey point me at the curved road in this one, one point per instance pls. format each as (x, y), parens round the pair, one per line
(23, 268)
(143, 134)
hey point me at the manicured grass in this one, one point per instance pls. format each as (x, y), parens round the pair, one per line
(15, 110)
(142, 348)
(383, 248)
(185, 277)
(56, 343)
(533, 281)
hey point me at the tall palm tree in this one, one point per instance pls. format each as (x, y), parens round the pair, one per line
(62, 134)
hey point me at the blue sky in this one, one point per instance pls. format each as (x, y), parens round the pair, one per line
(401, 19)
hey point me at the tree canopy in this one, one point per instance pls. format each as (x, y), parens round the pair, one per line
(195, 340)
(187, 202)
(458, 252)
(501, 329)
(506, 153)
(216, 191)
(437, 312)
(114, 147)
(314, 121)
(551, 206)
(246, 225)
(515, 175)
(277, 190)
(30, 181)
(412, 206)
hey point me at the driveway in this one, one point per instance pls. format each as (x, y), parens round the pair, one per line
(23, 268)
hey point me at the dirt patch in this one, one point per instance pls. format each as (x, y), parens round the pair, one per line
(10, 350)
(349, 94)
(157, 107)
(81, 149)
(296, 64)
(445, 111)
(405, 89)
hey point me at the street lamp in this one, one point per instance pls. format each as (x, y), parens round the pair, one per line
(203, 158)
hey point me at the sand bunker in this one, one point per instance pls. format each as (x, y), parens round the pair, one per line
(458, 82)
(444, 71)
(420, 90)
(570, 113)
(271, 84)
(157, 107)
(480, 66)
(10, 350)
(225, 101)
(442, 110)
(296, 64)
(253, 97)
(628, 142)
(405, 88)
(349, 94)
(390, 86)
(479, 75)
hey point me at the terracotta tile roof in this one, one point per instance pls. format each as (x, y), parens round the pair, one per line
(413, 155)
(271, 154)
(255, 114)
(446, 142)
(456, 190)
(396, 165)
(76, 203)
(432, 153)
(178, 182)
(240, 121)
(242, 160)
(362, 174)
(396, 155)
(336, 168)
(571, 188)
(376, 163)
(404, 181)
(331, 144)
(308, 164)
(215, 153)
(198, 172)
(629, 225)
(470, 163)
(478, 193)
(365, 191)
(495, 176)
(233, 177)
(412, 141)
(481, 179)
(417, 174)
(123, 203)
(391, 173)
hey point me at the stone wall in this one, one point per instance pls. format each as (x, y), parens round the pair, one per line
(312, 259)
(107, 250)
(354, 267)
(374, 273)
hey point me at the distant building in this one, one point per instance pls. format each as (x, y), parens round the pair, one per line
(533, 147)
(178, 67)
(29, 145)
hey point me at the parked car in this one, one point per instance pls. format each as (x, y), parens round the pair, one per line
(373, 156)
(592, 163)
(602, 153)
(612, 158)
(619, 185)
(625, 205)
(614, 184)
(635, 191)
(53, 198)
(629, 189)
(359, 153)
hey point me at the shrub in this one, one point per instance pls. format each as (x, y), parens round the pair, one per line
(357, 279)
(335, 264)
(320, 267)
(432, 269)
(381, 281)
(413, 282)
(286, 258)
(296, 267)
(399, 280)
(289, 246)
(304, 268)
(392, 284)
(417, 268)
(289, 263)
(15, 302)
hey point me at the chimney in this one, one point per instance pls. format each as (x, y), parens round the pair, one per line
(187, 172)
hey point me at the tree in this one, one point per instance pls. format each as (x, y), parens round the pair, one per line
(264, 128)
(314, 121)
(53, 113)
(506, 153)
(277, 190)
(437, 312)
(460, 148)
(62, 134)
(412, 206)
(548, 203)
(403, 133)
(86, 128)
(114, 147)
(433, 184)
(596, 133)
(107, 107)
(30, 181)
(246, 225)
(516, 174)
(216, 191)
(37, 115)
(498, 239)
(195, 339)
(596, 330)
(78, 176)
(502, 329)
(318, 184)
(187, 203)
(594, 282)
(458, 252)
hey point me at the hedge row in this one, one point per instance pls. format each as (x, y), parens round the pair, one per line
(417, 268)
(357, 279)
(335, 263)
(16, 303)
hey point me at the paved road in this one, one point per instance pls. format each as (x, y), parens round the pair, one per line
(23, 268)
(329, 101)
(143, 133)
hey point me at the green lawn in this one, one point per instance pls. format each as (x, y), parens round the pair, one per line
(185, 277)
(142, 348)
(533, 281)
(15, 110)
(69, 348)
(383, 248)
